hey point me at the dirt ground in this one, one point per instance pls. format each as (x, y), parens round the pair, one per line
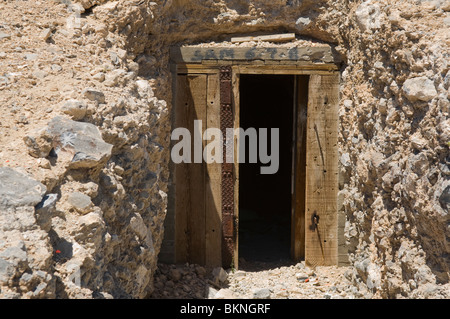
(254, 280)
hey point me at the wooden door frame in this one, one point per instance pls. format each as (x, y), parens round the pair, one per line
(316, 243)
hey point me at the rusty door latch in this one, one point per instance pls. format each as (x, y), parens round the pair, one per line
(315, 221)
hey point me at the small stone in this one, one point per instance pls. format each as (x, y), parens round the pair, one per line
(44, 211)
(348, 103)
(4, 80)
(144, 88)
(31, 56)
(15, 255)
(56, 67)
(94, 95)
(80, 202)
(263, 293)
(447, 21)
(201, 271)
(76, 8)
(210, 292)
(39, 288)
(419, 89)
(345, 160)
(114, 77)
(114, 58)
(225, 293)
(186, 288)
(445, 5)
(301, 277)
(239, 274)
(39, 143)
(219, 274)
(76, 109)
(44, 163)
(2, 55)
(175, 274)
(45, 34)
(100, 76)
(4, 36)
(40, 74)
(418, 142)
(303, 22)
(444, 198)
(6, 270)
(26, 278)
(121, 53)
(368, 16)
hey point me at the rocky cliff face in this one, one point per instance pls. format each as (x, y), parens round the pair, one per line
(85, 94)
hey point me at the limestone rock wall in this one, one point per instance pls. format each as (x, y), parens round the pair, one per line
(106, 63)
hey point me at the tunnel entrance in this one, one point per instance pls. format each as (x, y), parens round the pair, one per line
(220, 209)
(266, 101)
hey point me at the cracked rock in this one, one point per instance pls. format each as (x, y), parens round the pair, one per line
(17, 189)
(83, 142)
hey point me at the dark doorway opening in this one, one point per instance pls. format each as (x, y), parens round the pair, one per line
(266, 101)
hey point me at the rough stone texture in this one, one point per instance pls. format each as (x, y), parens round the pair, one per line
(82, 143)
(393, 137)
(17, 189)
(75, 109)
(25, 251)
(420, 88)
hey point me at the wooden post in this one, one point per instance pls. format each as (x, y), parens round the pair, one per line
(298, 218)
(322, 171)
(213, 194)
(190, 178)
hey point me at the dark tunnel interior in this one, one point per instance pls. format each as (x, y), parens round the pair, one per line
(266, 101)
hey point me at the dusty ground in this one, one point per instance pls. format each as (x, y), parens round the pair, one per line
(254, 280)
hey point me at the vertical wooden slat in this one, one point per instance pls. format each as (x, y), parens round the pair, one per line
(190, 105)
(213, 201)
(298, 218)
(196, 216)
(236, 108)
(322, 170)
(181, 174)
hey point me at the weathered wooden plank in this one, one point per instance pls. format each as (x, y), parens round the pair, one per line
(286, 69)
(322, 171)
(284, 37)
(298, 218)
(316, 54)
(196, 218)
(181, 174)
(190, 105)
(213, 201)
(197, 69)
(235, 83)
(267, 68)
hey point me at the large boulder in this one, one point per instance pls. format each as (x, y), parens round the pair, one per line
(82, 142)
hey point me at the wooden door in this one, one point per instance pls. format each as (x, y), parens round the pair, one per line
(314, 214)
(197, 185)
(321, 187)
